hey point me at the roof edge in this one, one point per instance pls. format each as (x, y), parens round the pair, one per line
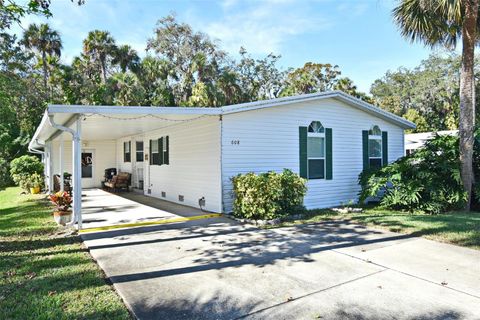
(318, 96)
(130, 109)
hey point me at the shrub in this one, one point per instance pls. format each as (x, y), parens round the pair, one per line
(427, 180)
(23, 169)
(268, 195)
(35, 181)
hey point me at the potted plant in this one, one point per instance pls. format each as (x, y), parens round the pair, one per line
(63, 202)
(35, 183)
(67, 176)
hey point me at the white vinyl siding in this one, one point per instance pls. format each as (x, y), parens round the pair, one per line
(194, 167)
(103, 157)
(268, 140)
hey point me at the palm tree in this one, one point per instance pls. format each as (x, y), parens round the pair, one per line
(443, 22)
(99, 46)
(46, 42)
(127, 58)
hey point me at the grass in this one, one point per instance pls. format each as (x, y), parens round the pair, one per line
(46, 275)
(459, 228)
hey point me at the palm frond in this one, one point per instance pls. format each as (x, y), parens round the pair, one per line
(432, 22)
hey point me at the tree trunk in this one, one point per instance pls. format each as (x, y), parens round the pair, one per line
(467, 97)
(104, 70)
(45, 73)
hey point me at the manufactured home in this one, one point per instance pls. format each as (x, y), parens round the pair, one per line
(188, 154)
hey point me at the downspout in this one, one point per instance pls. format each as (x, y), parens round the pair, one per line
(77, 192)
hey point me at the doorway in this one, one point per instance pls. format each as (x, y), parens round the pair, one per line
(137, 168)
(88, 168)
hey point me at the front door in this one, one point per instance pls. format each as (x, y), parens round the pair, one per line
(137, 169)
(88, 166)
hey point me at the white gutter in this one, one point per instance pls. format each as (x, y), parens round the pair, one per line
(53, 108)
(33, 150)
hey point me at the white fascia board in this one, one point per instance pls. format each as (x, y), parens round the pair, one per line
(276, 102)
(131, 110)
(33, 143)
(355, 102)
(404, 123)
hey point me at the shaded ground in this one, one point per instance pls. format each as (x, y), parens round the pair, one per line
(44, 275)
(456, 228)
(219, 269)
(127, 207)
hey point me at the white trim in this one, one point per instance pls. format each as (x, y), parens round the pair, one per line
(355, 102)
(138, 110)
(131, 110)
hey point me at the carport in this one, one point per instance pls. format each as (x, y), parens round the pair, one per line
(78, 127)
(103, 211)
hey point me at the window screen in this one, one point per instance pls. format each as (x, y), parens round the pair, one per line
(126, 151)
(139, 151)
(316, 168)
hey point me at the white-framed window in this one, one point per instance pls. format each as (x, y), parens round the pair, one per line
(127, 155)
(139, 151)
(375, 147)
(316, 150)
(155, 158)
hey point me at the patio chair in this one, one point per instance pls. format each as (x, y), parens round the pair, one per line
(56, 184)
(119, 181)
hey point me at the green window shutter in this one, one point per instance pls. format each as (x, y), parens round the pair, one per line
(365, 149)
(160, 150)
(384, 148)
(166, 156)
(303, 151)
(328, 154)
(150, 154)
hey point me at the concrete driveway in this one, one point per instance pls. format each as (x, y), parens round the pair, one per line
(219, 269)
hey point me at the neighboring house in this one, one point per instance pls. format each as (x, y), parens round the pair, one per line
(413, 141)
(182, 154)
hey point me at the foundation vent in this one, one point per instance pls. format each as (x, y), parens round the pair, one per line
(180, 198)
(164, 194)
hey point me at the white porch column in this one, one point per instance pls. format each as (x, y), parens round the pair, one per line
(60, 155)
(49, 165)
(77, 173)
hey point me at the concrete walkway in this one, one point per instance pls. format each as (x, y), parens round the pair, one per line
(218, 269)
(101, 208)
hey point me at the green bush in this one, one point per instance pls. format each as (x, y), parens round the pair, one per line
(427, 180)
(268, 195)
(24, 171)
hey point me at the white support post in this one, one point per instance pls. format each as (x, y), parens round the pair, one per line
(60, 155)
(49, 165)
(77, 167)
(77, 173)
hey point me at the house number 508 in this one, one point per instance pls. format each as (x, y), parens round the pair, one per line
(235, 142)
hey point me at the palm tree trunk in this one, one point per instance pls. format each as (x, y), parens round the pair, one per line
(104, 70)
(467, 97)
(45, 72)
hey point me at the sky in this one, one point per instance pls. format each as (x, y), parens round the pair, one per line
(357, 35)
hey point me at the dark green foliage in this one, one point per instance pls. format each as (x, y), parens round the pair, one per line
(25, 171)
(268, 195)
(182, 68)
(428, 94)
(427, 180)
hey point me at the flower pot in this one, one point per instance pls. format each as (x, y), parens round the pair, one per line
(35, 190)
(62, 217)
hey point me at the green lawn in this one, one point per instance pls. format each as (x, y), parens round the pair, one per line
(44, 275)
(460, 228)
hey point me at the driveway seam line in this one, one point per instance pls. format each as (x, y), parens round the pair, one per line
(310, 294)
(406, 273)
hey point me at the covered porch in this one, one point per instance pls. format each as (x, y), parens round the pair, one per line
(87, 140)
